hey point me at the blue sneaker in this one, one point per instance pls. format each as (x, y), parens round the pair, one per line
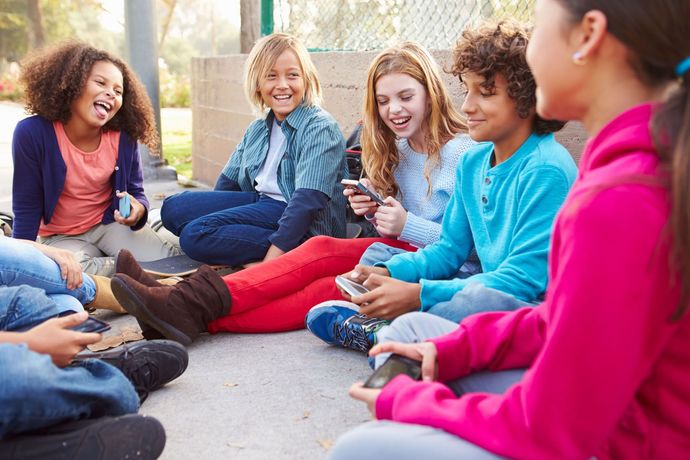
(340, 323)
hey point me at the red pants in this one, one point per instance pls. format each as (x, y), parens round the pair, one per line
(276, 295)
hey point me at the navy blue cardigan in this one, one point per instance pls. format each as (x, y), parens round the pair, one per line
(40, 171)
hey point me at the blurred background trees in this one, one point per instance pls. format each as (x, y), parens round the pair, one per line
(186, 28)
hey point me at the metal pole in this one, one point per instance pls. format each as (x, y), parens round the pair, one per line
(142, 47)
(266, 17)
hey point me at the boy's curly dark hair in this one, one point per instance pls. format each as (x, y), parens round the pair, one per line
(55, 76)
(500, 48)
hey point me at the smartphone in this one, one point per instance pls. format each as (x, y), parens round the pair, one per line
(394, 366)
(125, 206)
(375, 197)
(350, 183)
(351, 287)
(362, 189)
(92, 325)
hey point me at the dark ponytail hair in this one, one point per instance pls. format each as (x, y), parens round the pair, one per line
(657, 36)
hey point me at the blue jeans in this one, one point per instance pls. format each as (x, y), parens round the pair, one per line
(24, 264)
(475, 298)
(381, 252)
(34, 393)
(222, 227)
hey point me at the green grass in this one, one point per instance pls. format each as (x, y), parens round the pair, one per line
(177, 139)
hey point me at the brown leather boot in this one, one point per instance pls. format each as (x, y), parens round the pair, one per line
(104, 297)
(127, 264)
(180, 312)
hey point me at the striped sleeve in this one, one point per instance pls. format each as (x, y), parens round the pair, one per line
(320, 157)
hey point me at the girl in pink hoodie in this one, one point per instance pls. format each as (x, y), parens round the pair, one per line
(607, 355)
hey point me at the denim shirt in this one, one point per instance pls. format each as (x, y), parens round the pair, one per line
(314, 159)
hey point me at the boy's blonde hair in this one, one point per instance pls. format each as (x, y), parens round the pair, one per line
(262, 58)
(379, 150)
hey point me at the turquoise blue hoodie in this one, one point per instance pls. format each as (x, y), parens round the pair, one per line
(506, 212)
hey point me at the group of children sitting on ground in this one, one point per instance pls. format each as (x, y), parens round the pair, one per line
(546, 305)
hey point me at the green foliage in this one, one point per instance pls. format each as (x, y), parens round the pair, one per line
(14, 40)
(174, 90)
(176, 134)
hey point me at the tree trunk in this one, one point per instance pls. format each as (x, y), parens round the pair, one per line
(35, 29)
(250, 28)
(166, 22)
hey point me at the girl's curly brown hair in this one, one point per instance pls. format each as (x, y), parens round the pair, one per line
(500, 49)
(55, 76)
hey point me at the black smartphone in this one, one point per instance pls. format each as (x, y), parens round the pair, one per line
(362, 189)
(351, 287)
(394, 366)
(92, 325)
(376, 198)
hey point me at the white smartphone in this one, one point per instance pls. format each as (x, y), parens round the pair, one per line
(351, 287)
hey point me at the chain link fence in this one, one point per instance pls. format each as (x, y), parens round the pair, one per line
(359, 25)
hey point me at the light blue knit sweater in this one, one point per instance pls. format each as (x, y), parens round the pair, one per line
(424, 210)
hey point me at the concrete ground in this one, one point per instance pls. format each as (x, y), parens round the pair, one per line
(243, 396)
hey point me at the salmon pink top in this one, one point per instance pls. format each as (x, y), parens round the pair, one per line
(87, 193)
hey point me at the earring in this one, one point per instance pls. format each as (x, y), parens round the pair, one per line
(578, 58)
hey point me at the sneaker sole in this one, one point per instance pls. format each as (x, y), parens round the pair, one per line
(129, 436)
(136, 307)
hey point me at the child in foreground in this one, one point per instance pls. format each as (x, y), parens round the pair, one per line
(606, 354)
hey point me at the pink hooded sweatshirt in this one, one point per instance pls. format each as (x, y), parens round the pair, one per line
(609, 371)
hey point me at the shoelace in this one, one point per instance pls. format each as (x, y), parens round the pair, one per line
(353, 334)
(142, 375)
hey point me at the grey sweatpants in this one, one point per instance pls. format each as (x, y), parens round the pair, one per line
(96, 248)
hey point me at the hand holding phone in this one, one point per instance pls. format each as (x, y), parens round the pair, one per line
(353, 288)
(125, 206)
(362, 189)
(92, 325)
(394, 366)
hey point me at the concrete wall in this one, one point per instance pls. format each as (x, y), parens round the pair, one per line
(221, 113)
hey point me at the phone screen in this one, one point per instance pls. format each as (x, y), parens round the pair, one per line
(394, 366)
(92, 325)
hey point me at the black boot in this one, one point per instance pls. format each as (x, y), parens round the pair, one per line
(180, 312)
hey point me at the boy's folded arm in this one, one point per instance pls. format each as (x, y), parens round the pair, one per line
(224, 183)
(297, 218)
(443, 258)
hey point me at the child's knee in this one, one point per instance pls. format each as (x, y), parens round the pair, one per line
(170, 212)
(402, 329)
